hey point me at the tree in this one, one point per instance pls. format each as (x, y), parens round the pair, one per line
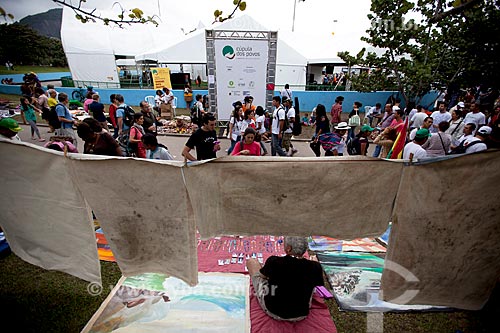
(455, 48)
(132, 16)
(23, 45)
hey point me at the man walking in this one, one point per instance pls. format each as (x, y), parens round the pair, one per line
(65, 118)
(277, 127)
(336, 112)
(204, 140)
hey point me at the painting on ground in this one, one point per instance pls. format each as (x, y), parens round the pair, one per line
(158, 303)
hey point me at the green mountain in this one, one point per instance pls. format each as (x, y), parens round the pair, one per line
(46, 24)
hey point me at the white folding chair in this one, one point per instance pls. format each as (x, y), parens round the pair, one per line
(174, 106)
(150, 100)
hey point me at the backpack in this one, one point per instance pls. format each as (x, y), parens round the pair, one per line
(460, 149)
(350, 147)
(355, 120)
(194, 113)
(128, 115)
(286, 124)
(53, 118)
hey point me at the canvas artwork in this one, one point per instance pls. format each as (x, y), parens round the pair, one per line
(355, 281)
(324, 243)
(158, 303)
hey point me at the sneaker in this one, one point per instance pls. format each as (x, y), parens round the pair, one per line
(294, 151)
(41, 140)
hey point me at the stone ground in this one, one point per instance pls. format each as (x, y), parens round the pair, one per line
(176, 142)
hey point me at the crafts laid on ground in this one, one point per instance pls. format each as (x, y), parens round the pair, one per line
(355, 280)
(229, 253)
(157, 303)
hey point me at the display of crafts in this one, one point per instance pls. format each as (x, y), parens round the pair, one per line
(179, 125)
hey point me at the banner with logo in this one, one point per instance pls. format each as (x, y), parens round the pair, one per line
(161, 78)
(241, 69)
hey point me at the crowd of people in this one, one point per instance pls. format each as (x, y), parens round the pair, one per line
(467, 126)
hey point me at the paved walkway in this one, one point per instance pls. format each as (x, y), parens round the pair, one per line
(175, 143)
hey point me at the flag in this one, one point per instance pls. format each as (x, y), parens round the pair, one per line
(396, 151)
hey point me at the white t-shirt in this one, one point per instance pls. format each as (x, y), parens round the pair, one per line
(415, 149)
(438, 118)
(373, 111)
(278, 114)
(476, 147)
(286, 93)
(159, 154)
(168, 98)
(464, 137)
(475, 118)
(236, 128)
(290, 114)
(418, 119)
(261, 120)
(412, 113)
(158, 100)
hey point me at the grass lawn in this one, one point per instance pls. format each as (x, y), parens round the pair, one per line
(37, 300)
(36, 69)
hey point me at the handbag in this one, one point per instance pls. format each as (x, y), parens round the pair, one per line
(355, 120)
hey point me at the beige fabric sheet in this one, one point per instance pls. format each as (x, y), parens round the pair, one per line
(446, 234)
(144, 211)
(45, 218)
(344, 197)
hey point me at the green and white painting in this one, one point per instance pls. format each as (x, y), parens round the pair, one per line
(157, 303)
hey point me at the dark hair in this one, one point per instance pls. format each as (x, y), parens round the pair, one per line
(458, 113)
(287, 86)
(419, 108)
(248, 98)
(472, 126)
(237, 105)
(112, 97)
(259, 111)
(247, 113)
(198, 97)
(39, 90)
(84, 130)
(428, 117)
(54, 146)
(400, 112)
(277, 99)
(320, 111)
(441, 102)
(208, 117)
(358, 104)
(137, 116)
(24, 106)
(89, 95)
(339, 99)
(443, 126)
(378, 105)
(288, 100)
(159, 92)
(149, 139)
(93, 124)
(62, 97)
(119, 98)
(249, 130)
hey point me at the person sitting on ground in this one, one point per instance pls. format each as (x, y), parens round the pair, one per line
(305, 120)
(97, 143)
(284, 286)
(247, 146)
(9, 129)
(60, 144)
(360, 143)
(153, 149)
(413, 150)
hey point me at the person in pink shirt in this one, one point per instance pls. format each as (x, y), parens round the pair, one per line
(247, 146)
(336, 111)
(398, 118)
(88, 101)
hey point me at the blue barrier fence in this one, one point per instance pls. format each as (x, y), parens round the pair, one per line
(307, 99)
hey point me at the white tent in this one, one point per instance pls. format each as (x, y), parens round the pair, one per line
(91, 48)
(290, 64)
